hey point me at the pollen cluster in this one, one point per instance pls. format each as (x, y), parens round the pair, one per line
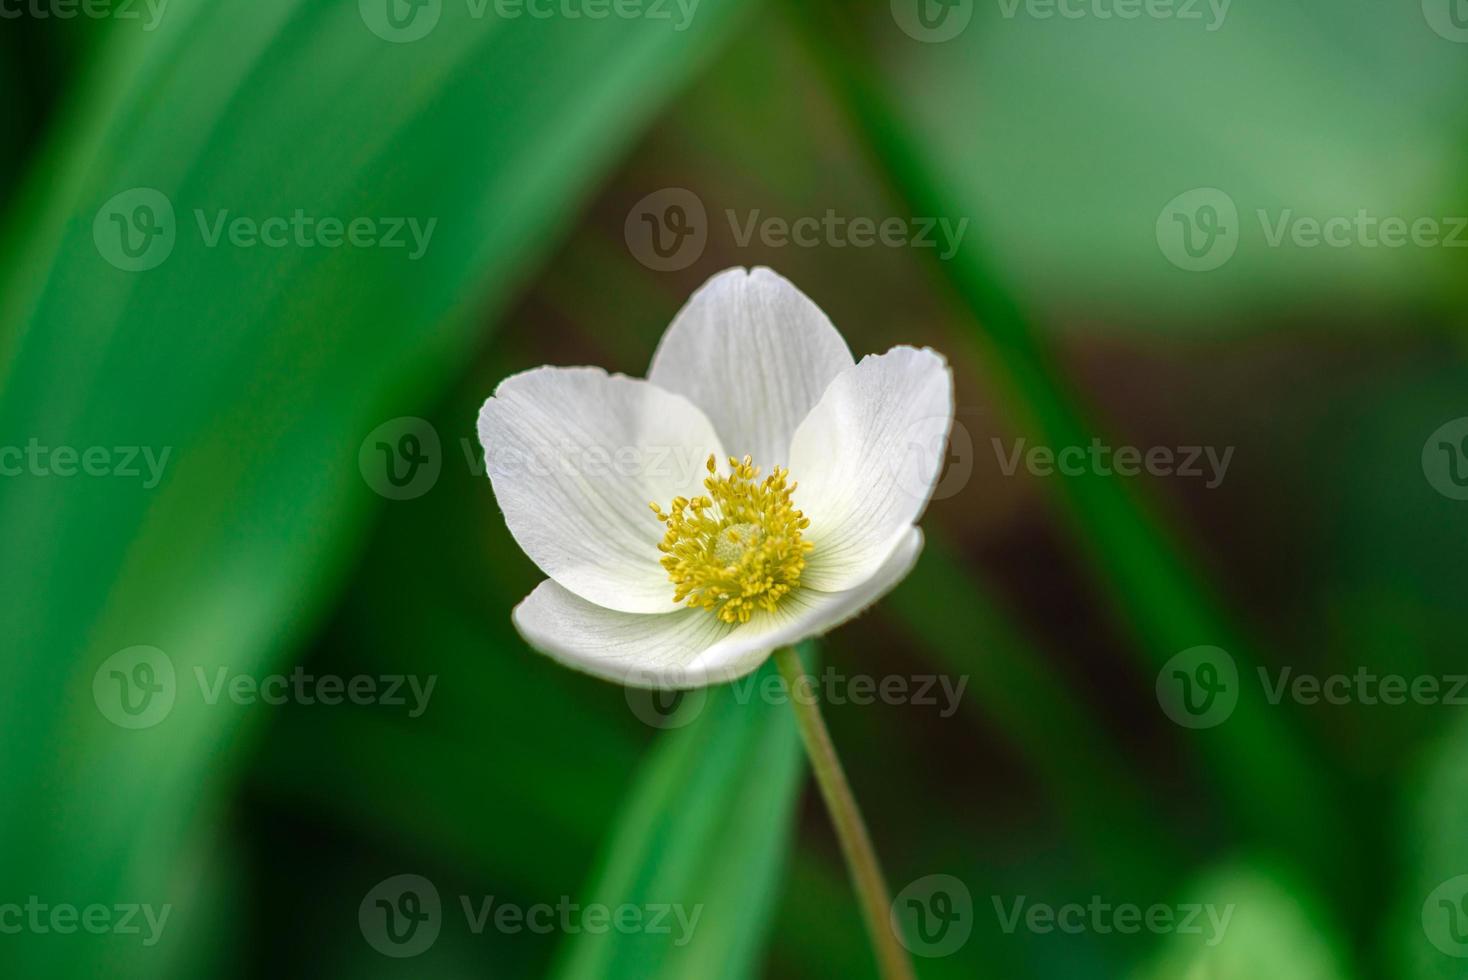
(738, 548)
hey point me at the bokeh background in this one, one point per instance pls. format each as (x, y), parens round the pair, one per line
(1089, 296)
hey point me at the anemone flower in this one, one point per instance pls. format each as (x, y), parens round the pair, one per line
(759, 488)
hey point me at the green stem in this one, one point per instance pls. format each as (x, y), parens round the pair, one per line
(851, 830)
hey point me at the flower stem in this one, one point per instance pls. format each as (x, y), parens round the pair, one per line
(851, 830)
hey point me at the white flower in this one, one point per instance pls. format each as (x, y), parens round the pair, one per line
(759, 488)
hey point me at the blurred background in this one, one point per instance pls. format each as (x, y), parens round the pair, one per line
(261, 708)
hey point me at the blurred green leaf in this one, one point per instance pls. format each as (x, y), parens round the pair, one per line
(1254, 924)
(1430, 936)
(1088, 126)
(706, 828)
(487, 126)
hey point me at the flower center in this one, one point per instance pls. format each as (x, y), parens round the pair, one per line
(738, 548)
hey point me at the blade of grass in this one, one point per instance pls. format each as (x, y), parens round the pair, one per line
(706, 827)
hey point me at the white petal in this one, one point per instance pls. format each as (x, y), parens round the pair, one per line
(755, 354)
(576, 456)
(866, 460)
(631, 648)
(691, 648)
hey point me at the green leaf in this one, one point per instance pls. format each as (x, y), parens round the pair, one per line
(1254, 923)
(706, 828)
(1429, 938)
(259, 370)
(1255, 103)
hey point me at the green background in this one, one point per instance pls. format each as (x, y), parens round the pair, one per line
(1059, 600)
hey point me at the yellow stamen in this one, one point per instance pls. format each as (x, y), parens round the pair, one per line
(737, 549)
